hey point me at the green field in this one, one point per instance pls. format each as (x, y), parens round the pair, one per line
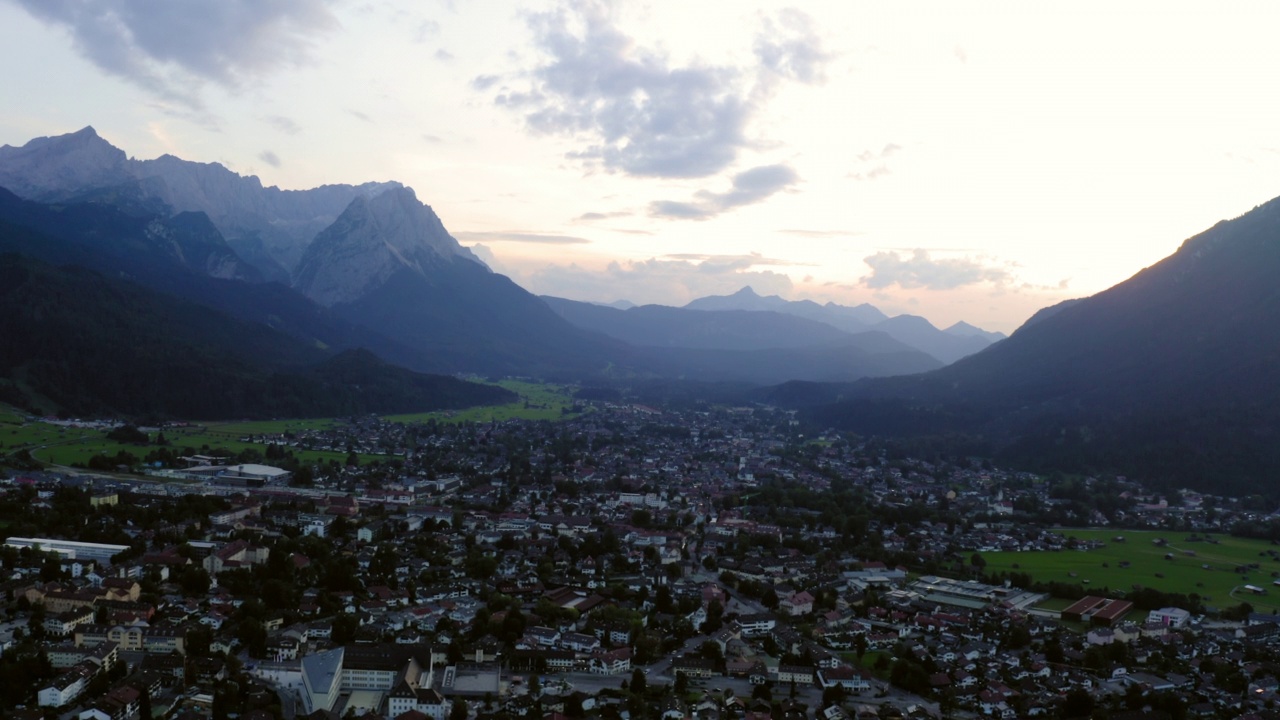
(538, 401)
(1209, 572)
(271, 427)
(9, 416)
(75, 446)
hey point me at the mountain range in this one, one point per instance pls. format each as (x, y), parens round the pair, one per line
(369, 266)
(946, 346)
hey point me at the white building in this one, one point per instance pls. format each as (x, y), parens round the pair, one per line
(1171, 616)
(70, 549)
(67, 686)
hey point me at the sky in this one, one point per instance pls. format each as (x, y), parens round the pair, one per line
(961, 161)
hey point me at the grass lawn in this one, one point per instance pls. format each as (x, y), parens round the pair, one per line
(869, 660)
(1204, 568)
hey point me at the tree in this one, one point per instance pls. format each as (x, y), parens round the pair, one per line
(638, 681)
(304, 476)
(144, 704)
(194, 581)
(459, 710)
(1078, 703)
(682, 683)
(344, 629)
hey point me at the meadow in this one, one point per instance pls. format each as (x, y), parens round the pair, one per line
(1182, 566)
(537, 401)
(59, 445)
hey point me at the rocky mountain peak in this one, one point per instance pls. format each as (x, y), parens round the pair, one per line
(49, 167)
(370, 241)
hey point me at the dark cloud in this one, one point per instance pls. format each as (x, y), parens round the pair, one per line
(636, 111)
(919, 270)
(749, 187)
(269, 158)
(522, 237)
(169, 48)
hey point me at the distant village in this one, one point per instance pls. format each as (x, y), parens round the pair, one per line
(627, 563)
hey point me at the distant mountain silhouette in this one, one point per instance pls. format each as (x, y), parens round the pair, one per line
(1172, 375)
(742, 345)
(946, 346)
(664, 326)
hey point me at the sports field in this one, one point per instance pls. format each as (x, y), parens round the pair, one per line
(1181, 565)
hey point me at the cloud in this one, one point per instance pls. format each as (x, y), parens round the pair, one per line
(791, 48)
(881, 168)
(170, 48)
(749, 187)
(716, 264)
(874, 173)
(484, 82)
(656, 280)
(636, 111)
(269, 158)
(589, 216)
(444, 55)
(920, 270)
(426, 29)
(522, 237)
(359, 115)
(886, 151)
(821, 233)
(283, 124)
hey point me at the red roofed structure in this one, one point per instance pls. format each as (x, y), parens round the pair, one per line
(1098, 610)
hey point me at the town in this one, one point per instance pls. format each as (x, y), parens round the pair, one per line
(624, 562)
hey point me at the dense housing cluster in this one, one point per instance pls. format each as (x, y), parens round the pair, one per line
(627, 562)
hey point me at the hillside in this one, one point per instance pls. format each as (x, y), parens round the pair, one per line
(1172, 375)
(82, 344)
